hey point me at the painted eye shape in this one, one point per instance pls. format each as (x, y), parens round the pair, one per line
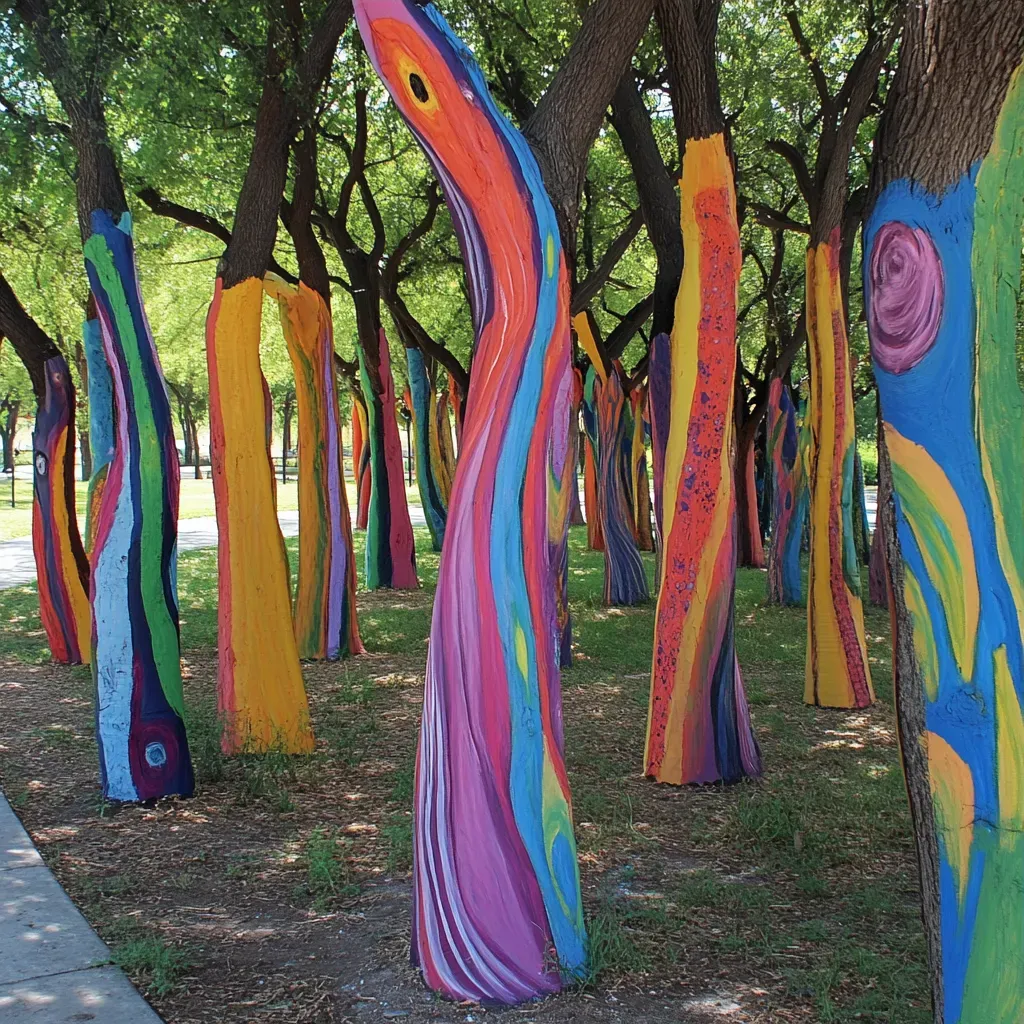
(419, 90)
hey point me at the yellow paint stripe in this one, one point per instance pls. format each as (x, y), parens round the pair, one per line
(955, 577)
(1009, 745)
(953, 796)
(588, 343)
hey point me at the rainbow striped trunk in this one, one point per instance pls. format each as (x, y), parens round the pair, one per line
(423, 408)
(788, 513)
(144, 754)
(698, 727)
(390, 545)
(325, 601)
(101, 423)
(942, 278)
(610, 431)
(638, 466)
(61, 566)
(498, 915)
(837, 673)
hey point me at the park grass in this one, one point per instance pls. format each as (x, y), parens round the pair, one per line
(791, 899)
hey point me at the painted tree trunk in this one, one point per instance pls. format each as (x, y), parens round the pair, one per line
(595, 534)
(942, 279)
(750, 546)
(659, 403)
(837, 662)
(136, 665)
(325, 603)
(641, 481)
(625, 579)
(390, 546)
(788, 512)
(456, 405)
(62, 570)
(442, 450)
(260, 693)
(575, 508)
(498, 914)
(102, 431)
(564, 462)
(878, 568)
(364, 471)
(861, 529)
(698, 727)
(423, 403)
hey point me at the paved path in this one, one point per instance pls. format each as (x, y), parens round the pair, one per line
(18, 567)
(53, 966)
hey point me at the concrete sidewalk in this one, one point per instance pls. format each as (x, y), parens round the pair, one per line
(53, 966)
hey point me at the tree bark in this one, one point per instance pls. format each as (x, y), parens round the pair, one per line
(82, 419)
(11, 412)
(568, 117)
(942, 270)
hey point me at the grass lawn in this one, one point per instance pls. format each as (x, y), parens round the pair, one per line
(281, 892)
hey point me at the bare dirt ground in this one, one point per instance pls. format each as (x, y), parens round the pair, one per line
(281, 892)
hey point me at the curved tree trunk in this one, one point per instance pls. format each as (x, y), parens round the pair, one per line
(942, 271)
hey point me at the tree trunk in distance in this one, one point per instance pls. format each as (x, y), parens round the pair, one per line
(422, 404)
(84, 447)
(390, 545)
(749, 546)
(625, 579)
(788, 513)
(325, 602)
(641, 481)
(837, 673)
(10, 429)
(62, 570)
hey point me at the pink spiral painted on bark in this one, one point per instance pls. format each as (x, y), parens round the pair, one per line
(907, 289)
